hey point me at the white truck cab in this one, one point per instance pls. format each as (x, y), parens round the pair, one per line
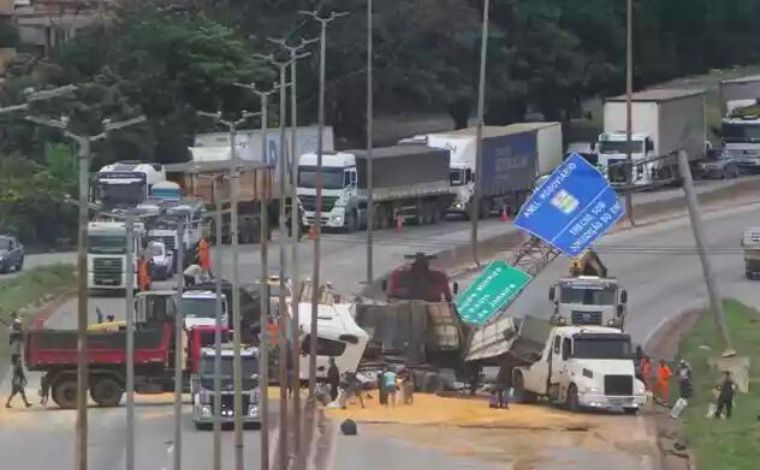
(339, 196)
(589, 300)
(199, 308)
(613, 151)
(107, 254)
(584, 366)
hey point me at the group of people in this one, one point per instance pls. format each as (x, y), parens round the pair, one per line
(391, 382)
(196, 273)
(724, 392)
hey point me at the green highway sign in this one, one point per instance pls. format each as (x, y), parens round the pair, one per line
(494, 289)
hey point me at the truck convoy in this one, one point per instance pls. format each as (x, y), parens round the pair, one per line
(577, 366)
(664, 122)
(410, 184)
(513, 157)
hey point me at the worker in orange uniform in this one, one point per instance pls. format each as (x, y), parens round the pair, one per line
(204, 256)
(663, 380)
(143, 274)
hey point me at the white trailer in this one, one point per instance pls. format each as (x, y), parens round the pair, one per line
(738, 92)
(664, 122)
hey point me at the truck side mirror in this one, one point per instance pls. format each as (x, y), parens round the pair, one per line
(456, 288)
(620, 310)
(649, 145)
(551, 294)
(624, 296)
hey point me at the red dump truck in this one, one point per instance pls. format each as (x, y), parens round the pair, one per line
(54, 353)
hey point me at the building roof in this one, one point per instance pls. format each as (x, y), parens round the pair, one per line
(661, 94)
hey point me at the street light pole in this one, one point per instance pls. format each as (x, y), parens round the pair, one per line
(84, 153)
(236, 361)
(178, 356)
(324, 21)
(130, 386)
(370, 185)
(629, 107)
(475, 208)
(217, 409)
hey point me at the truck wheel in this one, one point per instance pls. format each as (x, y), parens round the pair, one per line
(523, 396)
(571, 401)
(631, 411)
(64, 393)
(106, 392)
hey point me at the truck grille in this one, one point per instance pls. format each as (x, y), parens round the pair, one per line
(228, 402)
(618, 385)
(310, 203)
(107, 271)
(586, 318)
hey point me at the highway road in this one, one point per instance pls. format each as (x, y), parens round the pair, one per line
(660, 284)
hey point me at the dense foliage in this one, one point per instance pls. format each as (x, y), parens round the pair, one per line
(544, 56)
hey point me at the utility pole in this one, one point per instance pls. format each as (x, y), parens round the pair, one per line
(370, 163)
(475, 208)
(178, 356)
(130, 387)
(84, 144)
(629, 108)
(264, 285)
(294, 233)
(236, 362)
(716, 302)
(323, 21)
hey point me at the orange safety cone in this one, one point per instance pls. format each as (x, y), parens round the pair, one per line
(504, 216)
(399, 224)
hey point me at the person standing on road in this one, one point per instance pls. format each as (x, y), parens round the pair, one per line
(727, 389)
(204, 255)
(663, 380)
(389, 382)
(16, 338)
(333, 378)
(18, 384)
(684, 379)
(407, 386)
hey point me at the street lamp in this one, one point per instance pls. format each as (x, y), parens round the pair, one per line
(84, 144)
(370, 183)
(323, 21)
(236, 362)
(475, 209)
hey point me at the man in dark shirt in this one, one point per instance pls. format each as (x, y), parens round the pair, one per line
(726, 395)
(333, 378)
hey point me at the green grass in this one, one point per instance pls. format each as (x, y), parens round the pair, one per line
(724, 444)
(29, 288)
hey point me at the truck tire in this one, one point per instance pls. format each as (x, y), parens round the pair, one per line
(64, 393)
(518, 382)
(106, 392)
(631, 411)
(571, 400)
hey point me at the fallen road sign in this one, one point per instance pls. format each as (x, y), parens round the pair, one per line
(572, 208)
(491, 291)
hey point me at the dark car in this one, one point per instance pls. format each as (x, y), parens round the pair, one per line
(11, 254)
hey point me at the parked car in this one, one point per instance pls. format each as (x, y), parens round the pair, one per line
(11, 254)
(720, 165)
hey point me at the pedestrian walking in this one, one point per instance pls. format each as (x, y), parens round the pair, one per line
(684, 379)
(143, 275)
(204, 255)
(383, 397)
(727, 389)
(663, 380)
(353, 387)
(333, 378)
(16, 339)
(18, 385)
(407, 387)
(389, 382)
(44, 390)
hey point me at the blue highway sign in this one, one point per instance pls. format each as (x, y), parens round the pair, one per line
(572, 208)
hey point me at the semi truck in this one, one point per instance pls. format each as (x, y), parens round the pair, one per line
(664, 122)
(513, 157)
(576, 366)
(202, 386)
(740, 126)
(126, 184)
(107, 254)
(410, 184)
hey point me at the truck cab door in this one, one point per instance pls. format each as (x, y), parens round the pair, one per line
(560, 374)
(540, 372)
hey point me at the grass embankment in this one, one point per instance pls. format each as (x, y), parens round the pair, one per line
(30, 288)
(724, 444)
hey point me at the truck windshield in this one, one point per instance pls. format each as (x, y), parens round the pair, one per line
(116, 194)
(587, 296)
(735, 133)
(621, 146)
(107, 244)
(332, 178)
(250, 366)
(201, 308)
(602, 348)
(457, 177)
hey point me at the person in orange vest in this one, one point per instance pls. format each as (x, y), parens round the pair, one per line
(143, 275)
(663, 380)
(204, 255)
